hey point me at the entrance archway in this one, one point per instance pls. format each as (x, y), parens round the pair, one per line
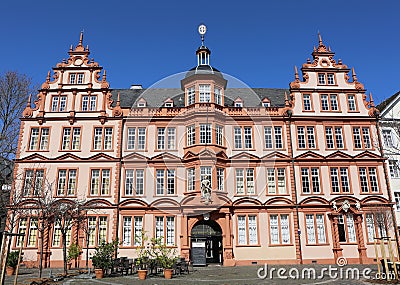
(208, 233)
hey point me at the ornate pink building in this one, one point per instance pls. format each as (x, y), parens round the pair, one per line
(252, 174)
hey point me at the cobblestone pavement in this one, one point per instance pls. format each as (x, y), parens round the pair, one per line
(292, 274)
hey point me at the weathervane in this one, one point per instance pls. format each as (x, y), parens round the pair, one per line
(202, 31)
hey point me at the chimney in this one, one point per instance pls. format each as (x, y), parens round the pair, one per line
(136, 86)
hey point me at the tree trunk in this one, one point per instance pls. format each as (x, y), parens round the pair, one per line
(41, 250)
(64, 237)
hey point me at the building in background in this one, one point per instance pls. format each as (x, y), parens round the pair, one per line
(255, 175)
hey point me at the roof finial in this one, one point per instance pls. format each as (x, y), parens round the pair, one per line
(319, 38)
(286, 100)
(70, 48)
(296, 73)
(118, 100)
(202, 31)
(48, 76)
(28, 104)
(81, 38)
(354, 75)
(104, 78)
(371, 100)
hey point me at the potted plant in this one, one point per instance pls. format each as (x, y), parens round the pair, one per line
(143, 255)
(12, 262)
(167, 258)
(102, 258)
(73, 253)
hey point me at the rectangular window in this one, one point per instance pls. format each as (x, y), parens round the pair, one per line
(165, 181)
(165, 224)
(39, 139)
(127, 231)
(161, 138)
(100, 182)
(136, 138)
(89, 103)
(134, 182)
(238, 137)
(276, 181)
(387, 138)
(394, 169)
(141, 138)
(361, 137)
(76, 78)
(205, 173)
(33, 232)
(334, 137)
(368, 180)
(33, 182)
(66, 184)
(324, 102)
(331, 79)
(340, 180)
(191, 135)
(307, 102)
(171, 138)
(357, 138)
(397, 200)
(205, 133)
(92, 226)
(190, 179)
(80, 78)
(102, 228)
(243, 175)
(369, 220)
(131, 138)
(321, 79)
(301, 138)
(218, 96)
(267, 136)
(351, 103)
(329, 102)
(58, 103)
(315, 229)
(279, 229)
(102, 139)
(56, 241)
(248, 137)
(71, 139)
(205, 92)
(334, 102)
(220, 179)
(329, 137)
(219, 135)
(278, 137)
(191, 95)
(346, 228)
(273, 135)
(138, 230)
(247, 230)
(304, 142)
(339, 137)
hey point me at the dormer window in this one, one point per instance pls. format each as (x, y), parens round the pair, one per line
(190, 95)
(266, 104)
(76, 78)
(169, 104)
(205, 92)
(238, 104)
(141, 105)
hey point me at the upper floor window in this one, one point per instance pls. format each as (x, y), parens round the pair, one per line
(315, 225)
(58, 103)
(136, 138)
(220, 178)
(310, 183)
(334, 137)
(329, 102)
(245, 141)
(190, 179)
(279, 229)
(307, 106)
(397, 200)
(39, 139)
(394, 169)
(205, 173)
(165, 181)
(100, 182)
(273, 137)
(276, 181)
(361, 137)
(217, 96)
(351, 103)
(33, 182)
(71, 139)
(102, 139)
(306, 140)
(219, 134)
(89, 103)
(66, 182)
(340, 180)
(134, 182)
(245, 181)
(191, 95)
(247, 230)
(205, 133)
(166, 135)
(368, 179)
(205, 92)
(76, 78)
(388, 138)
(239, 104)
(326, 79)
(191, 135)
(266, 104)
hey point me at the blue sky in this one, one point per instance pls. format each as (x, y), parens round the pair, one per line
(258, 42)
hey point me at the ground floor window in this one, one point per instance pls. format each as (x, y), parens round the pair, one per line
(165, 229)
(315, 224)
(346, 228)
(279, 229)
(247, 230)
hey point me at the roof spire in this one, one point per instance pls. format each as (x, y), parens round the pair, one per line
(48, 76)
(320, 39)
(81, 38)
(371, 100)
(353, 73)
(296, 73)
(118, 100)
(286, 100)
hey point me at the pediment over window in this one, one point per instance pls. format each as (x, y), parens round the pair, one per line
(368, 155)
(68, 157)
(309, 155)
(165, 157)
(275, 156)
(102, 157)
(245, 156)
(35, 157)
(135, 156)
(338, 155)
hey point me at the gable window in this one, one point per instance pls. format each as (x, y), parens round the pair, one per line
(361, 137)
(351, 103)
(273, 137)
(307, 102)
(71, 139)
(102, 139)
(134, 182)
(315, 225)
(368, 179)
(165, 181)
(394, 169)
(346, 228)
(191, 95)
(276, 181)
(387, 138)
(58, 103)
(245, 181)
(66, 182)
(33, 182)
(205, 93)
(329, 102)
(100, 182)
(76, 78)
(217, 96)
(340, 180)
(140, 142)
(247, 230)
(191, 135)
(326, 79)
(321, 79)
(89, 103)
(334, 137)
(39, 139)
(310, 183)
(279, 229)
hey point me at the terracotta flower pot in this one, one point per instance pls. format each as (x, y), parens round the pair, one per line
(69, 266)
(142, 273)
(168, 273)
(99, 273)
(10, 270)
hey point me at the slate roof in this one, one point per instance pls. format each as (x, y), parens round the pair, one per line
(387, 101)
(155, 97)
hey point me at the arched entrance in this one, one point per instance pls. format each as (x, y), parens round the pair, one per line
(206, 241)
